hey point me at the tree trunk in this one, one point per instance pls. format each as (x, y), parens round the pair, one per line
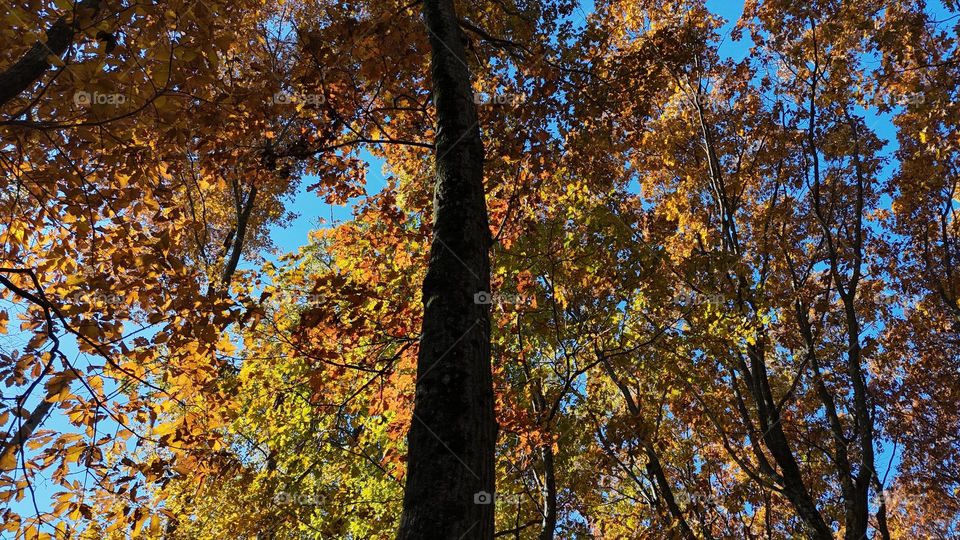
(9, 448)
(549, 524)
(32, 65)
(450, 462)
(655, 469)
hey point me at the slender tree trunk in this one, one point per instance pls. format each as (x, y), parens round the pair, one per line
(549, 524)
(654, 467)
(32, 65)
(775, 439)
(662, 485)
(9, 449)
(450, 462)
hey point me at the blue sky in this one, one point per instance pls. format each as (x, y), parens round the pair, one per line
(310, 209)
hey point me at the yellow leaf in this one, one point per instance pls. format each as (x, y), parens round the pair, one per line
(167, 428)
(8, 461)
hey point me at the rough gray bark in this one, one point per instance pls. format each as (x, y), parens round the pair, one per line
(32, 65)
(453, 431)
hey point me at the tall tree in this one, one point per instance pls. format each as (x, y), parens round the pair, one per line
(453, 431)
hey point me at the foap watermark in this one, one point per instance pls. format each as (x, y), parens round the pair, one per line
(703, 100)
(893, 99)
(287, 298)
(894, 500)
(287, 98)
(498, 98)
(698, 299)
(486, 298)
(696, 500)
(96, 298)
(82, 98)
(485, 497)
(902, 301)
(301, 499)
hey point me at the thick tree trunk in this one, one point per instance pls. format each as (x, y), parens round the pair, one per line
(450, 463)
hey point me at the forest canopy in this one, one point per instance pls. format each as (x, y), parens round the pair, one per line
(529, 269)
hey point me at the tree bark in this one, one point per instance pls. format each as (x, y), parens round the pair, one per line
(450, 462)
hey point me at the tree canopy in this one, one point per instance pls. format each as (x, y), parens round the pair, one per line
(612, 269)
